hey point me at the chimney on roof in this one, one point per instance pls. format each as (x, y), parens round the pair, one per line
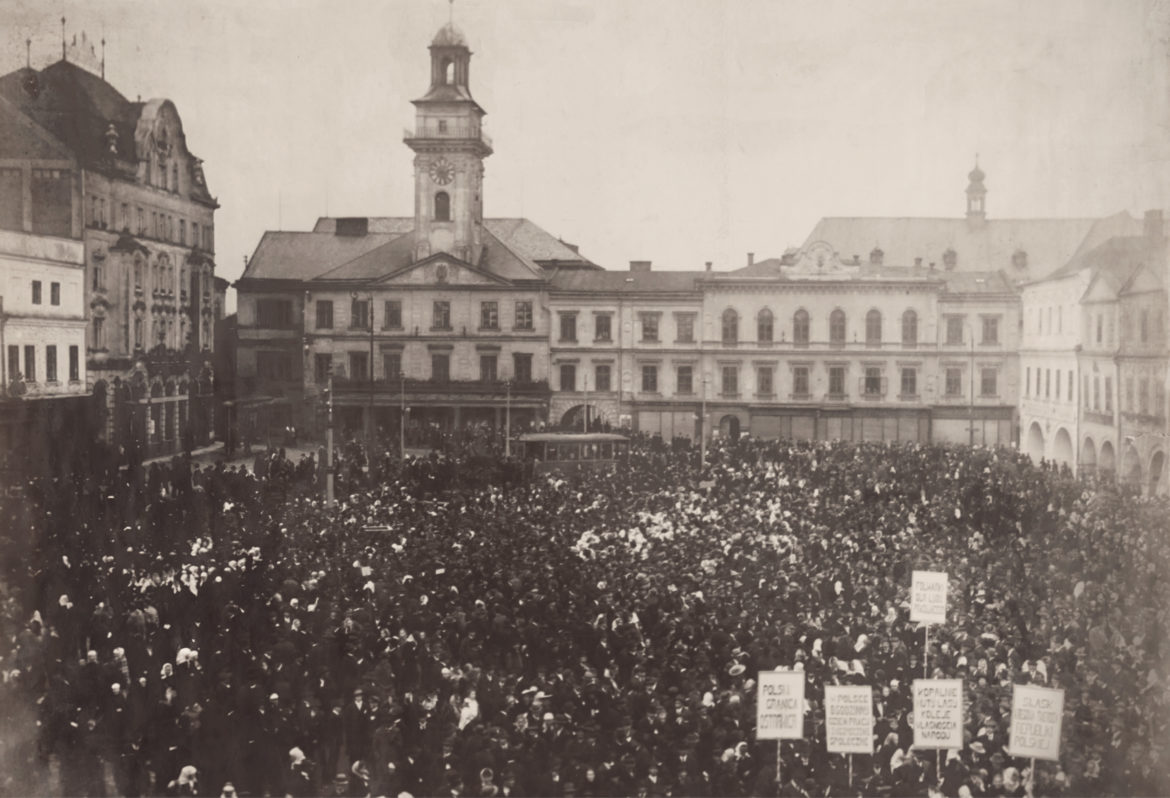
(932, 265)
(1153, 224)
(708, 264)
(918, 263)
(352, 226)
(751, 258)
(876, 256)
(856, 260)
(950, 259)
(1020, 259)
(640, 266)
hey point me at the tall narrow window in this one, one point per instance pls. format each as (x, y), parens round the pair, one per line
(392, 314)
(489, 315)
(837, 328)
(54, 293)
(800, 331)
(873, 328)
(764, 381)
(442, 207)
(602, 327)
(909, 328)
(50, 363)
(909, 382)
(522, 366)
(487, 368)
(441, 315)
(601, 379)
(440, 367)
(74, 363)
(568, 326)
(391, 365)
(685, 384)
(36, 292)
(800, 382)
(730, 381)
(568, 377)
(524, 314)
(954, 382)
(836, 381)
(650, 379)
(989, 382)
(650, 327)
(730, 326)
(764, 327)
(359, 318)
(324, 314)
(322, 366)
(30, 363)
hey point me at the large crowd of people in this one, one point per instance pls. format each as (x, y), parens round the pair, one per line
(451, 628)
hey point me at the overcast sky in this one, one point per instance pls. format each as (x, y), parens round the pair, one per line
(677, 131)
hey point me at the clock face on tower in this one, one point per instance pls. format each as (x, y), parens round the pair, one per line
(442, 172)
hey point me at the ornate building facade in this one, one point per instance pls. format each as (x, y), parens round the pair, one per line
(118, 175)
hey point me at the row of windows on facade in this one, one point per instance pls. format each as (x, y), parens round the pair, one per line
(29, 370)
(50, 195)
(280, 366)
(38, 296)
(1150, 393)
(1149, 326)
(872, 383)
(278, 314)
(163, 327)
(159, 176)
(162, 277)
(162, 226)
(765, 327)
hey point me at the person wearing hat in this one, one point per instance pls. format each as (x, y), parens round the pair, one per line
(356, 727)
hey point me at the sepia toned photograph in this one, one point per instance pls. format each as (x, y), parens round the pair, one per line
(585, 398)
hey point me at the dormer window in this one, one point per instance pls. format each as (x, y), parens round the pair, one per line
(442, 125)
(442, 207)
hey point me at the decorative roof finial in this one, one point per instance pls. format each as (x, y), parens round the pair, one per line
(103, 57)
(62, 37)
(28, 53)
(451, 12)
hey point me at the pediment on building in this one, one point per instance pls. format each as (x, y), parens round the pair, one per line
(441, 270)
(819, 259)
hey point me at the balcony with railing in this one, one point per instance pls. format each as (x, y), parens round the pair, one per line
(446, 132)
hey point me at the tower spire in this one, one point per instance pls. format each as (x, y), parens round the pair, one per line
(62, 37)
(451, 11)
(103, 53)
(28, 53)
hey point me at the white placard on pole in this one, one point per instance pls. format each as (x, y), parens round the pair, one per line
(928, 597)
(938, 713)
(849, 719)
(1037, 715)
(780, 705)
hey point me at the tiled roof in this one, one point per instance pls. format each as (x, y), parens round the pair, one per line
(625, 282)
(303, 256)
(496, 257)
(519, 234)
(980, 246)
(957, 282)
(77, 108)
(1116, 260)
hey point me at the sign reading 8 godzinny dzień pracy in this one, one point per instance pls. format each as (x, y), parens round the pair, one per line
(780, 705)
(938, 713)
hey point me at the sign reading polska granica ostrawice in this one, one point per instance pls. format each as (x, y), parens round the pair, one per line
(928, 597)
(938, 713)
(849, 719)
(780, 705)
(1037, 715)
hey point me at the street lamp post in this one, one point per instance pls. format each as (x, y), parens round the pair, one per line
(703, 426)
(585, 407)
(402, 414)
(370, 376)
(971, 402)
(329, 498)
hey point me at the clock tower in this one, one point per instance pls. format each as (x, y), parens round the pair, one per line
(449, 145)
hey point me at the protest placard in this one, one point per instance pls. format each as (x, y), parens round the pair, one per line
(849, 719)
(780, 705)
(928, 597)
(1037, 713)
(938, 713)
